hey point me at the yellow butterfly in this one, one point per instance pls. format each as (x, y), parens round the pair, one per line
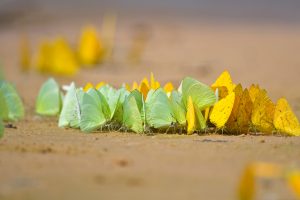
(241, 114)
(190, 117)
(145, 80)
(100, 84)
(224, 83)
(263, 113)
(144, 89)
(254, 90)
(135, 85)
(153, 83)
(194, 117)
(44, 57)
(25, 54)
(90, 47)
(285, 120)
(63, 58)
(88, 86)
(168, 87)
(221, 110)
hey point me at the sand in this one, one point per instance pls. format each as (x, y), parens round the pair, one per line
(38, 160)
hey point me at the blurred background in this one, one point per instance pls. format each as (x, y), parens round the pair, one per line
(257, 41)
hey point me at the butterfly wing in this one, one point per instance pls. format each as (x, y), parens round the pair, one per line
(118, 116)
(3, 107)
(285, 120)
(263, 112)
(13, 101)
(92, 117)
(203, 96)
(254, 91)
(158, 110)
(178, 108)
(190, 117)
(131, 115)
(222, 110)
(70, 113)
(49, 99)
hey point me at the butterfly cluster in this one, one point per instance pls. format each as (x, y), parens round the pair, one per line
(147, 107)
(59, 57)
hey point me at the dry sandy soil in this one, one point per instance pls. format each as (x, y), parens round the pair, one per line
(40, 161)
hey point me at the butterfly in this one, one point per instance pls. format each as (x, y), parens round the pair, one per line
(194, 117)
(254, 90)
(202, 95)
(44, 57)
(153, 83)
(285, 120)
(88, 86)
(1, 129)
(224, 84)
(221, 111)
(159, 112)
(70, 115)
(241, 113)
(25, 54)
(63, 60)
(263, 112)
(168, 87)
(177, 106)
(132, 118)
(144, 89)
(92, 117)
(49, 100)
(11, 102)
(90, 49)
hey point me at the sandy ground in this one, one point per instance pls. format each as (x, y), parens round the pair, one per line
(40, 161)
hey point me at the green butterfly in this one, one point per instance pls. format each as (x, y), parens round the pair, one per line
(203, 96)
(12, 100)
(3, 107)
(118, 115)
(111, 96)
(132, 119)
(92, 117)
(49, 100)
(1, 129)
(178, 110)
(159, 113)
(70, 113)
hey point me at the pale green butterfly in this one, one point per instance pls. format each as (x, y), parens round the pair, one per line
(13, 101)
(92, 117)
(159, 112)
(49, 100)
(70, 113)
(178, 108)
(118, 116)
(203, 96)
(3, 107)
(112, 97)
(1, 128)
(132, 119)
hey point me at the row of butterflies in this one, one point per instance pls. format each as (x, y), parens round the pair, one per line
(147, 107)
